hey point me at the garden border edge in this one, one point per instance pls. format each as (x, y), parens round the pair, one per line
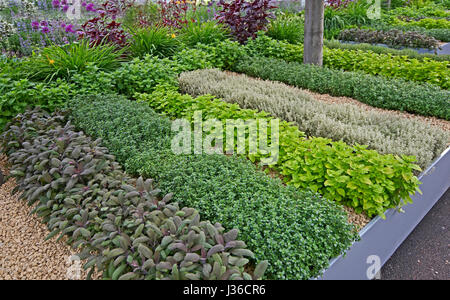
(382, 237)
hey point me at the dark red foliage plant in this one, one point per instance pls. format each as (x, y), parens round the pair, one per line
(174, 13)
(104, 28)
(245, 18)
(337, 3)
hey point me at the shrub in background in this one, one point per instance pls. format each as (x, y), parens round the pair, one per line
(441, 34)
(333, 44)
(174, 13)
(430, 10)
(104, 28)
(430, 71)
(393, 38)
(426, 23)
(203, 12)
(143, 15)
(245, 18)
(353, 13)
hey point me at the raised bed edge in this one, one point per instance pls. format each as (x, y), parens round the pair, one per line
(382, 237)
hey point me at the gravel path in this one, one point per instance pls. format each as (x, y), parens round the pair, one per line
(425, 254)
(24, 253)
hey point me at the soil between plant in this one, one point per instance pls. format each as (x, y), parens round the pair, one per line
(24, 253)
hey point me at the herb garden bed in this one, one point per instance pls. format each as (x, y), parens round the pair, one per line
(88, 130)
(382, 237)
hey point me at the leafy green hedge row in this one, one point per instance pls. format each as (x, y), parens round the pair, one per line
(383, 132)
(296, 231)
(427, 23)
(396, 94)
(123, 227)
(357, 177)
(430, 71)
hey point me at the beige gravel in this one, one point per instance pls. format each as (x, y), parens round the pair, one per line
(359, 220)
(24, 253)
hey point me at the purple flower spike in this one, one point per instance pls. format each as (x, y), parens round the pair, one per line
(45, 29)
(83, 4)
(65, 8)
(35, 25)
(55, 3)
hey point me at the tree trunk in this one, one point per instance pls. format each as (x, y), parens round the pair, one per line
(313, 44)
(388, 4)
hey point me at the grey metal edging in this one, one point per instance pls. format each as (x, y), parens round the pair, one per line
(382, 237)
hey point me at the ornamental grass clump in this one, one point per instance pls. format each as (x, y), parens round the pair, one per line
(205, 33)
(123, 227)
